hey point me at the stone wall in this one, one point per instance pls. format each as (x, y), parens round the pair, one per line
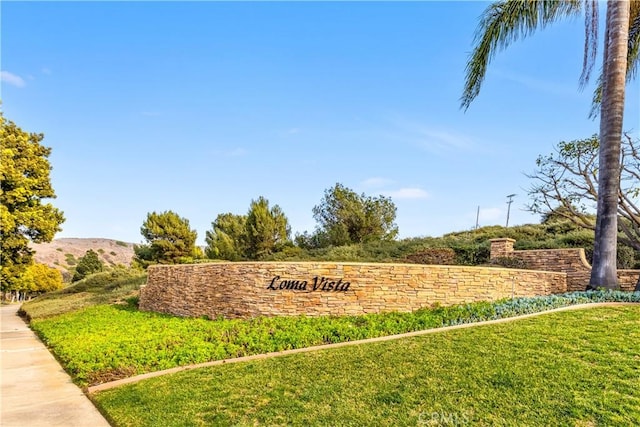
(627, 279)
(573, 262)
(248, 289)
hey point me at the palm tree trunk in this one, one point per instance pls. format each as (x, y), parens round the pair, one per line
(604, 273)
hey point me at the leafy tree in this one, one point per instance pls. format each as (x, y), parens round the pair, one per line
(227, 239)
(35, 279)
(506, 21)
(316, 240)
(24, 184)
(267, 229)
(566, 186)
(90, 263)
(346, 217)
(143, 256)
(169, 238)
(41, 278)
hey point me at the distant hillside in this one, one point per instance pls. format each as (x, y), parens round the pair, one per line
(64, 254)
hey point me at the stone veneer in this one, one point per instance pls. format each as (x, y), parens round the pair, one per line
(573, 262)
(248, 289)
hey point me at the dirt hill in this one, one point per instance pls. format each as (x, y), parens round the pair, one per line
(64, 254)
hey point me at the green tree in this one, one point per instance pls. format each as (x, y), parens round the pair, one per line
(169, 238)
(267, 229)
(316, 240)
(143, 256)
(89, 263)
(41, 278)
(227, 238)
(24, 185)
(506, 21)
(345, 217)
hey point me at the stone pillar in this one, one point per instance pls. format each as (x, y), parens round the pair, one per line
(501, 248)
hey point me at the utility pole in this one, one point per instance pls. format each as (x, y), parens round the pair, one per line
(510, 200)
(477, 217)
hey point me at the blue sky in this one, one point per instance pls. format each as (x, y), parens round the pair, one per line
(200, 107)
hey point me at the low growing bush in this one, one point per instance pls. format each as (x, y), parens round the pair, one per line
(433, 256)
(508, 262)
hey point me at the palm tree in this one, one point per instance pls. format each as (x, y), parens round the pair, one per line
(505, 21)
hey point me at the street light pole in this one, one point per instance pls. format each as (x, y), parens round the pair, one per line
(510, 197)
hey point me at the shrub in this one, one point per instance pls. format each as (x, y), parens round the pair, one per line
(70, 259)
(508, 262)
(289, 253)
(433, 256)
(472, 254)
(90, 263)
(133, 302)
(627, 257)
(346, 253)
(106, 280)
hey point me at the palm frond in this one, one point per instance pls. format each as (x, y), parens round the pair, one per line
(633, 57)
(504, 22)
(596, 100)
(590, 40)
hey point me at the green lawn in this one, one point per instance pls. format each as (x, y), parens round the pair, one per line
(577, 368)
(104, 342)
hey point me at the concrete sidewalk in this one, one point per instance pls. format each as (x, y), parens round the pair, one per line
(35, 390)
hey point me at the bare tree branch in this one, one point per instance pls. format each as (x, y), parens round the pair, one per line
(566, 183)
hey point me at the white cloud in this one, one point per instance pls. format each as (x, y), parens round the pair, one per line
(407, 193)
(376, 182)
(46, 70)
(12, 79)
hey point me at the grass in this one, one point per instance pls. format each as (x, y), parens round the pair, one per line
(577, 368)
(106, 342)
(574, 368)
(108, 287)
